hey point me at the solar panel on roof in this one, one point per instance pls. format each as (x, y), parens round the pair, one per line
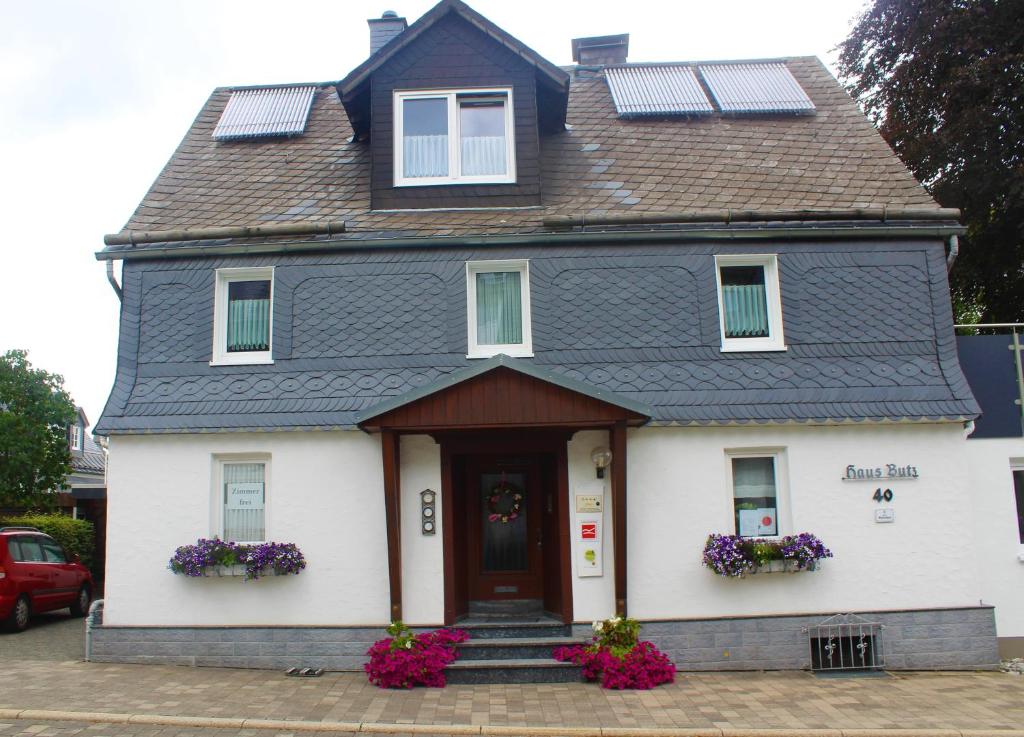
(273, 111)
(656, 90)
(755, 88)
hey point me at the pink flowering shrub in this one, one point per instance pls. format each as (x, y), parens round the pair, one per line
(618, 658)
(405, 659)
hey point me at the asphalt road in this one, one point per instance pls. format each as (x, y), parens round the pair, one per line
(51, 636)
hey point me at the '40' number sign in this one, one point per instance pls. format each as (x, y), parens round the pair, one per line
(881, 495)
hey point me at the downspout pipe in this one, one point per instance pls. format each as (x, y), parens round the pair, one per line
(113, 282)
(954, 250)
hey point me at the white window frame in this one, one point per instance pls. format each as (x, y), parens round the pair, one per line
(454, 155)
(775, 340)
(76, 437)
(223, 277)
(782, 525)
(517, 350)
(217, 497)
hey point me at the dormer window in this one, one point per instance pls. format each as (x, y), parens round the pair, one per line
(76, 437)
(454, 137)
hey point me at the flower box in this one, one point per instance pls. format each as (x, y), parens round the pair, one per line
(229, 559)
(735, 557)
(782, 566)
(234, 571)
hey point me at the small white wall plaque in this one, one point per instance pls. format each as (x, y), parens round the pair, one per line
(885, 515)
(589, 502)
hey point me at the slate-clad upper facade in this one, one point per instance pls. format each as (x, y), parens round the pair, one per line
(368, 314)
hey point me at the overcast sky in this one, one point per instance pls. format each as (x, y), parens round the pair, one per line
(96, 94)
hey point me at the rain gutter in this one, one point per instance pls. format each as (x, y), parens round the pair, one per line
(881, 214)
(807, 232)
(133, 237)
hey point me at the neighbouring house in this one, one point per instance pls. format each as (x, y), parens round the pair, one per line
(483, 335)
(995, 458)
(84, 495)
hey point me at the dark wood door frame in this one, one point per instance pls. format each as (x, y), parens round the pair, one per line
(618, 443)
(460, 444)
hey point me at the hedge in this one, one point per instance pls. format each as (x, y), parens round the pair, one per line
(76, 535)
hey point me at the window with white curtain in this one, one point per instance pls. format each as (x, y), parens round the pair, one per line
(454, 136)
(242, 493)
(243, 316)
(749, 303)
(498, 308)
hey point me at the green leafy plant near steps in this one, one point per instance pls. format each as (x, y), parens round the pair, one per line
(618, 658)
(76, 536)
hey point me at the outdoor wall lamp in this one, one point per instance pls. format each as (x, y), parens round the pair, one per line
(601, 457)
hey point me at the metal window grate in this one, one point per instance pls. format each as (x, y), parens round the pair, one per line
(846, 642)
(652, 90)
(270, 111)
(755, 88)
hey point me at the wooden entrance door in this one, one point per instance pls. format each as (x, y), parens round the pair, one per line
(504, 514)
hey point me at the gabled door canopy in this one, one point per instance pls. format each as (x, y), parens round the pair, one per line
(503, 392)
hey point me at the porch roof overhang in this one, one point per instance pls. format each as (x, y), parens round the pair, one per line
(503, 392)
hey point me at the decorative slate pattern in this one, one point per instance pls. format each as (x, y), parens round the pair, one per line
(354, 329)
(378, 314)
(832, 302)
(602, 164)
(628, 307)
(166, 340)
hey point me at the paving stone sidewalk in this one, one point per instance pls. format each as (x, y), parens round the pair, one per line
(774, 700)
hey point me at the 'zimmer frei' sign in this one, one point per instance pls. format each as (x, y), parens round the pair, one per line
(247, 495)
(887, 472)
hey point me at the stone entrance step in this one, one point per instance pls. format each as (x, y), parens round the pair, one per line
(509, 649)
(512, 648)
(531, 670)
(489, 629)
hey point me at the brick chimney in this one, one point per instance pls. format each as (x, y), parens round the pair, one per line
(384, 29)
(600, 50)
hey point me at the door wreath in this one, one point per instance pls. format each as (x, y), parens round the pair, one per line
(504, 502)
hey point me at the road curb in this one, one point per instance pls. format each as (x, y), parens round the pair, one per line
(485, 730)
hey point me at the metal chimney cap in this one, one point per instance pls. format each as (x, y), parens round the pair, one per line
(389, 14)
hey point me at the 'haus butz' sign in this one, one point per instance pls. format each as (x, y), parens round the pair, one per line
(888, 471)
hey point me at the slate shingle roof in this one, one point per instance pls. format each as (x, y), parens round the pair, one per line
(602, 165)
(91, 459)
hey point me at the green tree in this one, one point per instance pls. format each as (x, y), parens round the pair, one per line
(944, 82)
(35, 413)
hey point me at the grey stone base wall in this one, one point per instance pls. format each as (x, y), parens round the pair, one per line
(330, 648)
(932, 639)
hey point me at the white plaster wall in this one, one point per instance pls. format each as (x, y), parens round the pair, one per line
(422, 555)
(678, 494)
(594, 596)
(996, 535)
(325, 493)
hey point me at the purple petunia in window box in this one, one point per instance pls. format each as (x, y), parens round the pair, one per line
(251, 561)
(735, 557)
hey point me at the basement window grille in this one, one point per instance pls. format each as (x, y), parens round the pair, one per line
(846, 642)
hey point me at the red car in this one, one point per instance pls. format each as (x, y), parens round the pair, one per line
(36, 575)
